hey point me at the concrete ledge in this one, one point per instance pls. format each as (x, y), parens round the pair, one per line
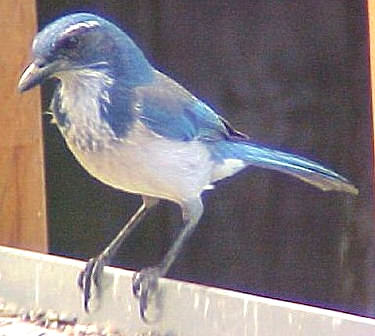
(37, 281)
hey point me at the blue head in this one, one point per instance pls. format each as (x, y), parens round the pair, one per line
(81, 41)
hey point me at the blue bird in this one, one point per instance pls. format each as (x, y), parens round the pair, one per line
(137, 130)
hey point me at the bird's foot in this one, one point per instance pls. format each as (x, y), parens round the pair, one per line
(146, 289)
(89, 280)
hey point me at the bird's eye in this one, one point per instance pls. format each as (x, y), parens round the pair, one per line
(68, 42)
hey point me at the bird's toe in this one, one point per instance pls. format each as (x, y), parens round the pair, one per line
(145, 288)
(89, 280)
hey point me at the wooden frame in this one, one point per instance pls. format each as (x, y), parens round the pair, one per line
(22, 187)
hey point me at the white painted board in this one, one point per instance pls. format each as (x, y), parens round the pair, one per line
(37, 281)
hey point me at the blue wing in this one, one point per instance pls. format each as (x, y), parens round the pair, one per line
(169, 110)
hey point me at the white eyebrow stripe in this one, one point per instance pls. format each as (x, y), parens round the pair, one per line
(85, 24)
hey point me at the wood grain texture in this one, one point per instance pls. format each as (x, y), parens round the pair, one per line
(22, 186)
(371, 18)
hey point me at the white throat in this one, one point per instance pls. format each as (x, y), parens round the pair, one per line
(84, 96)
(84, 91)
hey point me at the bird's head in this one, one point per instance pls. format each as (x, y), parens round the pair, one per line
(83, 41)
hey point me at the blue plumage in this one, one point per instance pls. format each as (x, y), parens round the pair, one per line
(137, 130)
(297, 166)
(172, 112)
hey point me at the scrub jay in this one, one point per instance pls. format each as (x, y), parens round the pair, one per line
(137, 130)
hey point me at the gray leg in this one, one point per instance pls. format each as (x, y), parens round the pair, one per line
(145, 283)
(94, 267)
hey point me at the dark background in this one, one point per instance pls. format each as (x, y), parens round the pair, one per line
(291, 74)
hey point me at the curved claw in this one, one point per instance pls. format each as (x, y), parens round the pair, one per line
(145, 286)
(136, 285)
(89, 276)
(84, 282)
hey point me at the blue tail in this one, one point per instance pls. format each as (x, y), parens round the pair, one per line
(304, 169)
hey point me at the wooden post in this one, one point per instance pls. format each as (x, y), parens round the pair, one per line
(22, 187)
(371, 18)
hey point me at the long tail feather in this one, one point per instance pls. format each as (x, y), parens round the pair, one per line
(304, 169)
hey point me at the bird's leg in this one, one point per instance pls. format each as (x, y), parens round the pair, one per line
(91, 275)
(145, 283)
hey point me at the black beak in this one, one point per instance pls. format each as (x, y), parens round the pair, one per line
(33, 75)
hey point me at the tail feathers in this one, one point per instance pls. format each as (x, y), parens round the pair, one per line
(297, 166)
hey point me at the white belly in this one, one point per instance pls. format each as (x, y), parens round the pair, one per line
(145, 163)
